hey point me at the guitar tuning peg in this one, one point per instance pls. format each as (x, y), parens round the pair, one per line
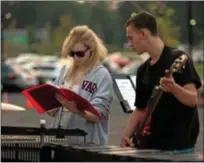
(174, 70)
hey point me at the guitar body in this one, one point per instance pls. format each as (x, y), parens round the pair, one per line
(141, 141)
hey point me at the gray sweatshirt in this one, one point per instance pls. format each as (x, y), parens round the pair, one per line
(97, 88)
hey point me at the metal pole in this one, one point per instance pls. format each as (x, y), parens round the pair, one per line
(203, 43)
(2, 36)
(162, 6)
(190, 27)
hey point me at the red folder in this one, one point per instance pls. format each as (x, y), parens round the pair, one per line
(43, 98)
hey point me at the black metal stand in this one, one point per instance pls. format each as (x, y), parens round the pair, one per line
(59, 118)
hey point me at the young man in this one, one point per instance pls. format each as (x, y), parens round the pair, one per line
(174, 123)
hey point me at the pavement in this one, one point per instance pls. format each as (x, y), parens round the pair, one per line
(31, 118)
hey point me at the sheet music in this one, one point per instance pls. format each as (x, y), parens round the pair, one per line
(127, 91)
(133, 78)
(54, 85)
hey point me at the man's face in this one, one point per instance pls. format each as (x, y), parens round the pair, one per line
(136, 39)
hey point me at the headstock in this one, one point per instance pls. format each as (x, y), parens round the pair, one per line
(177, 64)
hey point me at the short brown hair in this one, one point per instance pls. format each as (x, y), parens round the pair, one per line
(143, 20)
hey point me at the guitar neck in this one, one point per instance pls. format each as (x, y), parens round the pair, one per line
(157, 93)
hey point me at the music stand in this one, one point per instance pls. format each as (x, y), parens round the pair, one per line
(125, 91)
(133, 80)
(59, 118)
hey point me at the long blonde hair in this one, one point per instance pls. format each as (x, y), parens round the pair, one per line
(83, 34)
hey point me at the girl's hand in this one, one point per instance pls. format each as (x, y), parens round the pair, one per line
(70, 105)
(52, 112)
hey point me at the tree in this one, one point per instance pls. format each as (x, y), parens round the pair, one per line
(169, 32)
(60, 33)
(54, 44)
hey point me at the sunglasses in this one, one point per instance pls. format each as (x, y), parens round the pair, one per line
(79, 53)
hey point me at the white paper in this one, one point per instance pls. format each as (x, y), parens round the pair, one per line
(52, 84)
(133, 78)
(127, 91)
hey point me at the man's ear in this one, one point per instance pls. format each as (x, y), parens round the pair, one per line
(145, 33)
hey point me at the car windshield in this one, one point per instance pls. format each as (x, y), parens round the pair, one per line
(132, 68)
(6, 68)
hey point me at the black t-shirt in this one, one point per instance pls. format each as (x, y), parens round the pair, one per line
(173, 124)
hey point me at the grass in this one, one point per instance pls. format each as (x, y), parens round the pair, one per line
(199, 68)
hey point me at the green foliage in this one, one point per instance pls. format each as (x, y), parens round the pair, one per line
(168, 30)
(200, 69)
(60, 32)
(59, 16)
(12, 49)
(133, 14)
(110, 27)
(54, 44)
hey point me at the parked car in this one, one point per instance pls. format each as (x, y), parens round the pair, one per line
(112, 68)
(11, 107)
(198, 56)
(47, 72)
(28, 58)
(27, 75)
(50, 59)
(131, 69)
(11, 78)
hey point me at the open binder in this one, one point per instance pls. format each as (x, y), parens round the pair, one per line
(43, 98)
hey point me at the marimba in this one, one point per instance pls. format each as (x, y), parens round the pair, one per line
(116, 154)
(37, 144)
